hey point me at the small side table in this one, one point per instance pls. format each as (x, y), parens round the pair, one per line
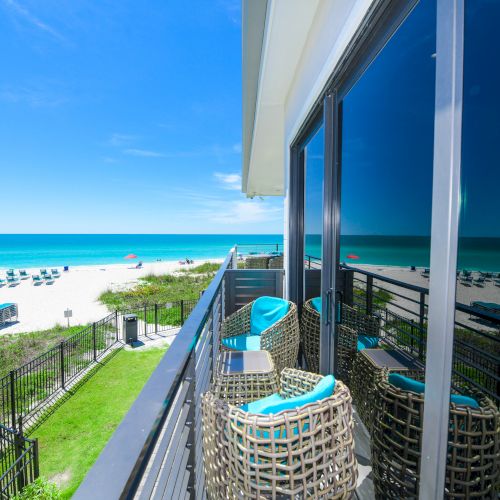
(244, 376)
(369, 365)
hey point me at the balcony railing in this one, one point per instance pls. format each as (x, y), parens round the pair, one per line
(156, 451)
(402, 309)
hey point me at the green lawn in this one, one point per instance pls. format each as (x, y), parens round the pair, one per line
(71, 439)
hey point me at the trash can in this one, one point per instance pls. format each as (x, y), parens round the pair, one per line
(130, 328)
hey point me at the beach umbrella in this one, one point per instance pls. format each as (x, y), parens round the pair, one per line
(130, 256)
(352, 256)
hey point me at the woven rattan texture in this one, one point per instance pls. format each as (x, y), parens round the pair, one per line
(281, 340)
(353, 323)
(243, 387)
(303, 453)
(364, 377)
(256, 262)
(473, 451)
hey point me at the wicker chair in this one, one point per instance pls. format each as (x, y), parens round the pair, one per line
(353, 323)
(260, 262)
(473, 458)
(307, 452)
(280, 339)
(276, 262)
(364, 377)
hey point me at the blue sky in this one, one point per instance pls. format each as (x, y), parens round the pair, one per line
(124, 117)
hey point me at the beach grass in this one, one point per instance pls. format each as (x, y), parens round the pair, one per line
(71, 438)
(161, 289)
(17, 349)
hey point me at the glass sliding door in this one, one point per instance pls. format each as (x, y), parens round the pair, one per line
(478, 260)
(383, 254)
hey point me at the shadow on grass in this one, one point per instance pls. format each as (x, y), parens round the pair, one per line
(52, 404)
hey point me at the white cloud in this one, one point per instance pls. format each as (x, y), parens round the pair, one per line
(36, 97)
(229, 181)
(232, 8)
(31, 19)
(242, 212)
(117, 139)
(237, 147)
(144, 153)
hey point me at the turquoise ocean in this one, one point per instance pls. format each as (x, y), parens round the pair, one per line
(36, 250)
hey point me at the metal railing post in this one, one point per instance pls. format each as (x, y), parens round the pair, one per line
(369, 294)
(190, 422)
(61, 364)
(94, 341)
(116, 325)
(18, 451)
(156, 318)
(182, 312)
(13, 398)
(421, 319)
(36, 463)
(234, 260)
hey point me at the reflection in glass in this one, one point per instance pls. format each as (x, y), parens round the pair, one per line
(477, 341)
(313, 200)
(386, 196)
(387, 151)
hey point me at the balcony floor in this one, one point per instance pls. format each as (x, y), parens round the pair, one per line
(365, 490)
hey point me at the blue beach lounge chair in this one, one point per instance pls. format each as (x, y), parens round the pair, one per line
(43, 272)
(48, 278)
(12, 280)
(36, 279)
(55, 273)
(23, 274)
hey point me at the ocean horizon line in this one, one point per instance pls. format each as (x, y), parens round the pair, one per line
(44, 250)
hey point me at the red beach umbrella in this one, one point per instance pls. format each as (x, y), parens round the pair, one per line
(353, 256)
(130, 256)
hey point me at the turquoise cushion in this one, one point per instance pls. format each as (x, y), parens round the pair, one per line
(408, 384)
(316, 304)
(273, 404)
(367, 342)
(262, 404)
(266, 311)
(243, 342)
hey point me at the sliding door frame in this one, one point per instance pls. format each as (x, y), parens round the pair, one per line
(444, 244)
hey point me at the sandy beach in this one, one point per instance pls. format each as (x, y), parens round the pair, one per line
(43, 306)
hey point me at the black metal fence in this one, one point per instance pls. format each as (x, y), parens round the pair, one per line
(158, 318)
(27, 390)
(18, 462)
(402, 309)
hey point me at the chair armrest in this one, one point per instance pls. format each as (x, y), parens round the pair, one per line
(296, 382)
(238, 323)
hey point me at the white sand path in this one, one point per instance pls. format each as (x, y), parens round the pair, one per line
(41, 307)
